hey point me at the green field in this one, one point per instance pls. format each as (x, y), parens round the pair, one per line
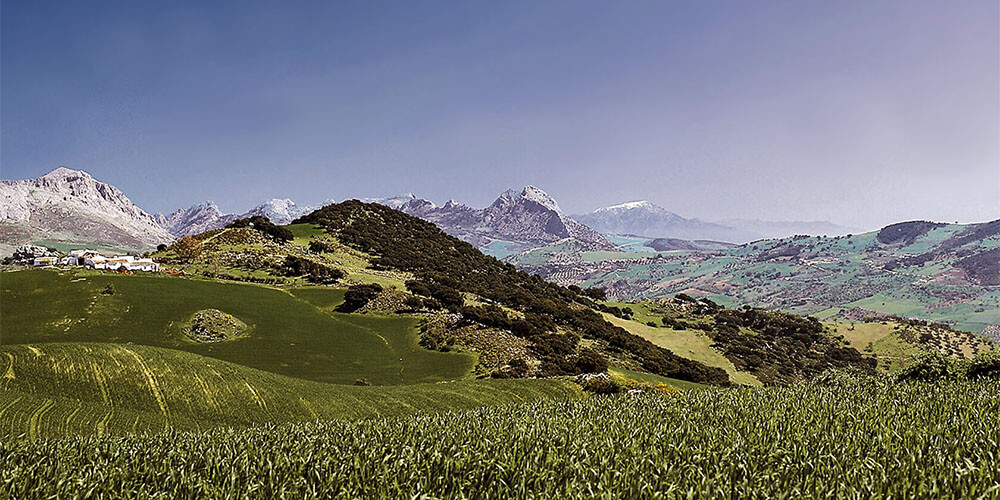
(691, 344)
(851, 440)
(69, 389)
(291, 333)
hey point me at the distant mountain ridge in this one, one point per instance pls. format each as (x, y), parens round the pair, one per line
(645, 218)
(71, 206)
(516, 220)
(207, 216)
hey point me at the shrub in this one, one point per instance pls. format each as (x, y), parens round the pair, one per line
(985, 365)
(933, 366)
(264, 225)
(357, 296)
(595, 293)
(109, 289)
(313, 271)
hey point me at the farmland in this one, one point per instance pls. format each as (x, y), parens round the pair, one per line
(937, 272)
(72, 389)
(298, 337)
(849, 439)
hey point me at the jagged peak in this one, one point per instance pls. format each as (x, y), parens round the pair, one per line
(64, 172)
(532, 193)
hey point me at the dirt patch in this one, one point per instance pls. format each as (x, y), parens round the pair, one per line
(213, 325)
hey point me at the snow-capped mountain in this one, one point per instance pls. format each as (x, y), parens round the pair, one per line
(644, 218)
(195, 219)
(71, 206)
(516, 219)
(207, 216)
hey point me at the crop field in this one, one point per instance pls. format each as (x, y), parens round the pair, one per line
(872, 439)
(72, 389)
(288, 335)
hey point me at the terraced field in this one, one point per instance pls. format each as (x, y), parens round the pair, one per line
(71, 389)
(290, 333)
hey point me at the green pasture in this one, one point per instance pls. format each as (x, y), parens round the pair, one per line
(290, 332)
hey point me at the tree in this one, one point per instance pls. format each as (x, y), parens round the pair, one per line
(161, 247)
(596, 293)
(187, 248)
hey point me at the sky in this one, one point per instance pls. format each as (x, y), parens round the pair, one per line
(857, 112)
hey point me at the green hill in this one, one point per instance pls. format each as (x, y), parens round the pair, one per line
(68, 389)
(287, 335)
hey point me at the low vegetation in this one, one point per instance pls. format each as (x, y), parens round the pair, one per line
(555, 318)
(846, 438)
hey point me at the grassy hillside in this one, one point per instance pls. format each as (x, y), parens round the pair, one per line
(859, 440)
(692, 344)
(291, 332)
(68, 389)
(938, 272)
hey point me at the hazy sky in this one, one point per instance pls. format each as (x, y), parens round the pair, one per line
(861, 113)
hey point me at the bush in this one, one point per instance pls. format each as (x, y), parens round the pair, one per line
(985, 365)
(321, 246)
(264, 225)
(595, 293)
(313, 271)
(358, 296)
(933, 366)
(109, 289)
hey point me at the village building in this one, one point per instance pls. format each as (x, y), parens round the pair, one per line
(46, 261)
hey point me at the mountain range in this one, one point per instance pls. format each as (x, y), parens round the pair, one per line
(644, 218)
(207, 216)
(515, 221)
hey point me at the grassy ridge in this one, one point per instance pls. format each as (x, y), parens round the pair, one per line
(65, 389)
(288, 335)
(859, 440)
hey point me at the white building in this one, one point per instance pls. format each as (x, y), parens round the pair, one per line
(46, 261)
(96, 262)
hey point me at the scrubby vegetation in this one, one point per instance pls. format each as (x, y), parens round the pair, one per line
(264, 225)
(399, 241)
(850, 437)
(313, 271)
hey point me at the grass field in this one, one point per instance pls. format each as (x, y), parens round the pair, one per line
(292, 334)
(691, 344)
(874, 440)
(71, 389)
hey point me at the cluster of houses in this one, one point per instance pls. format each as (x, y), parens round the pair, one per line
(94, 260)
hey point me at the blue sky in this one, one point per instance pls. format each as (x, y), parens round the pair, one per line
(862, 113)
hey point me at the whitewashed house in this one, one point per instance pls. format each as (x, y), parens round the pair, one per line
(118, 262)
(96, 262)
(144, 265)
(46, 261)
(68, 260)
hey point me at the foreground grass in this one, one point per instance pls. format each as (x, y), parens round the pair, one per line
(874, 440)
(73, 389)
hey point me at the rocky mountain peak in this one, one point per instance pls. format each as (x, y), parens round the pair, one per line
(72, 202)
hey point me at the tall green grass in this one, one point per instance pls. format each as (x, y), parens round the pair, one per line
(70, 389)
(876, 440)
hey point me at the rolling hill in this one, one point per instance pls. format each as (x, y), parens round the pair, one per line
(933, 271)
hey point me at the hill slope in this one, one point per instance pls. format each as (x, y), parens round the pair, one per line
(69, 389)
(938, 272)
